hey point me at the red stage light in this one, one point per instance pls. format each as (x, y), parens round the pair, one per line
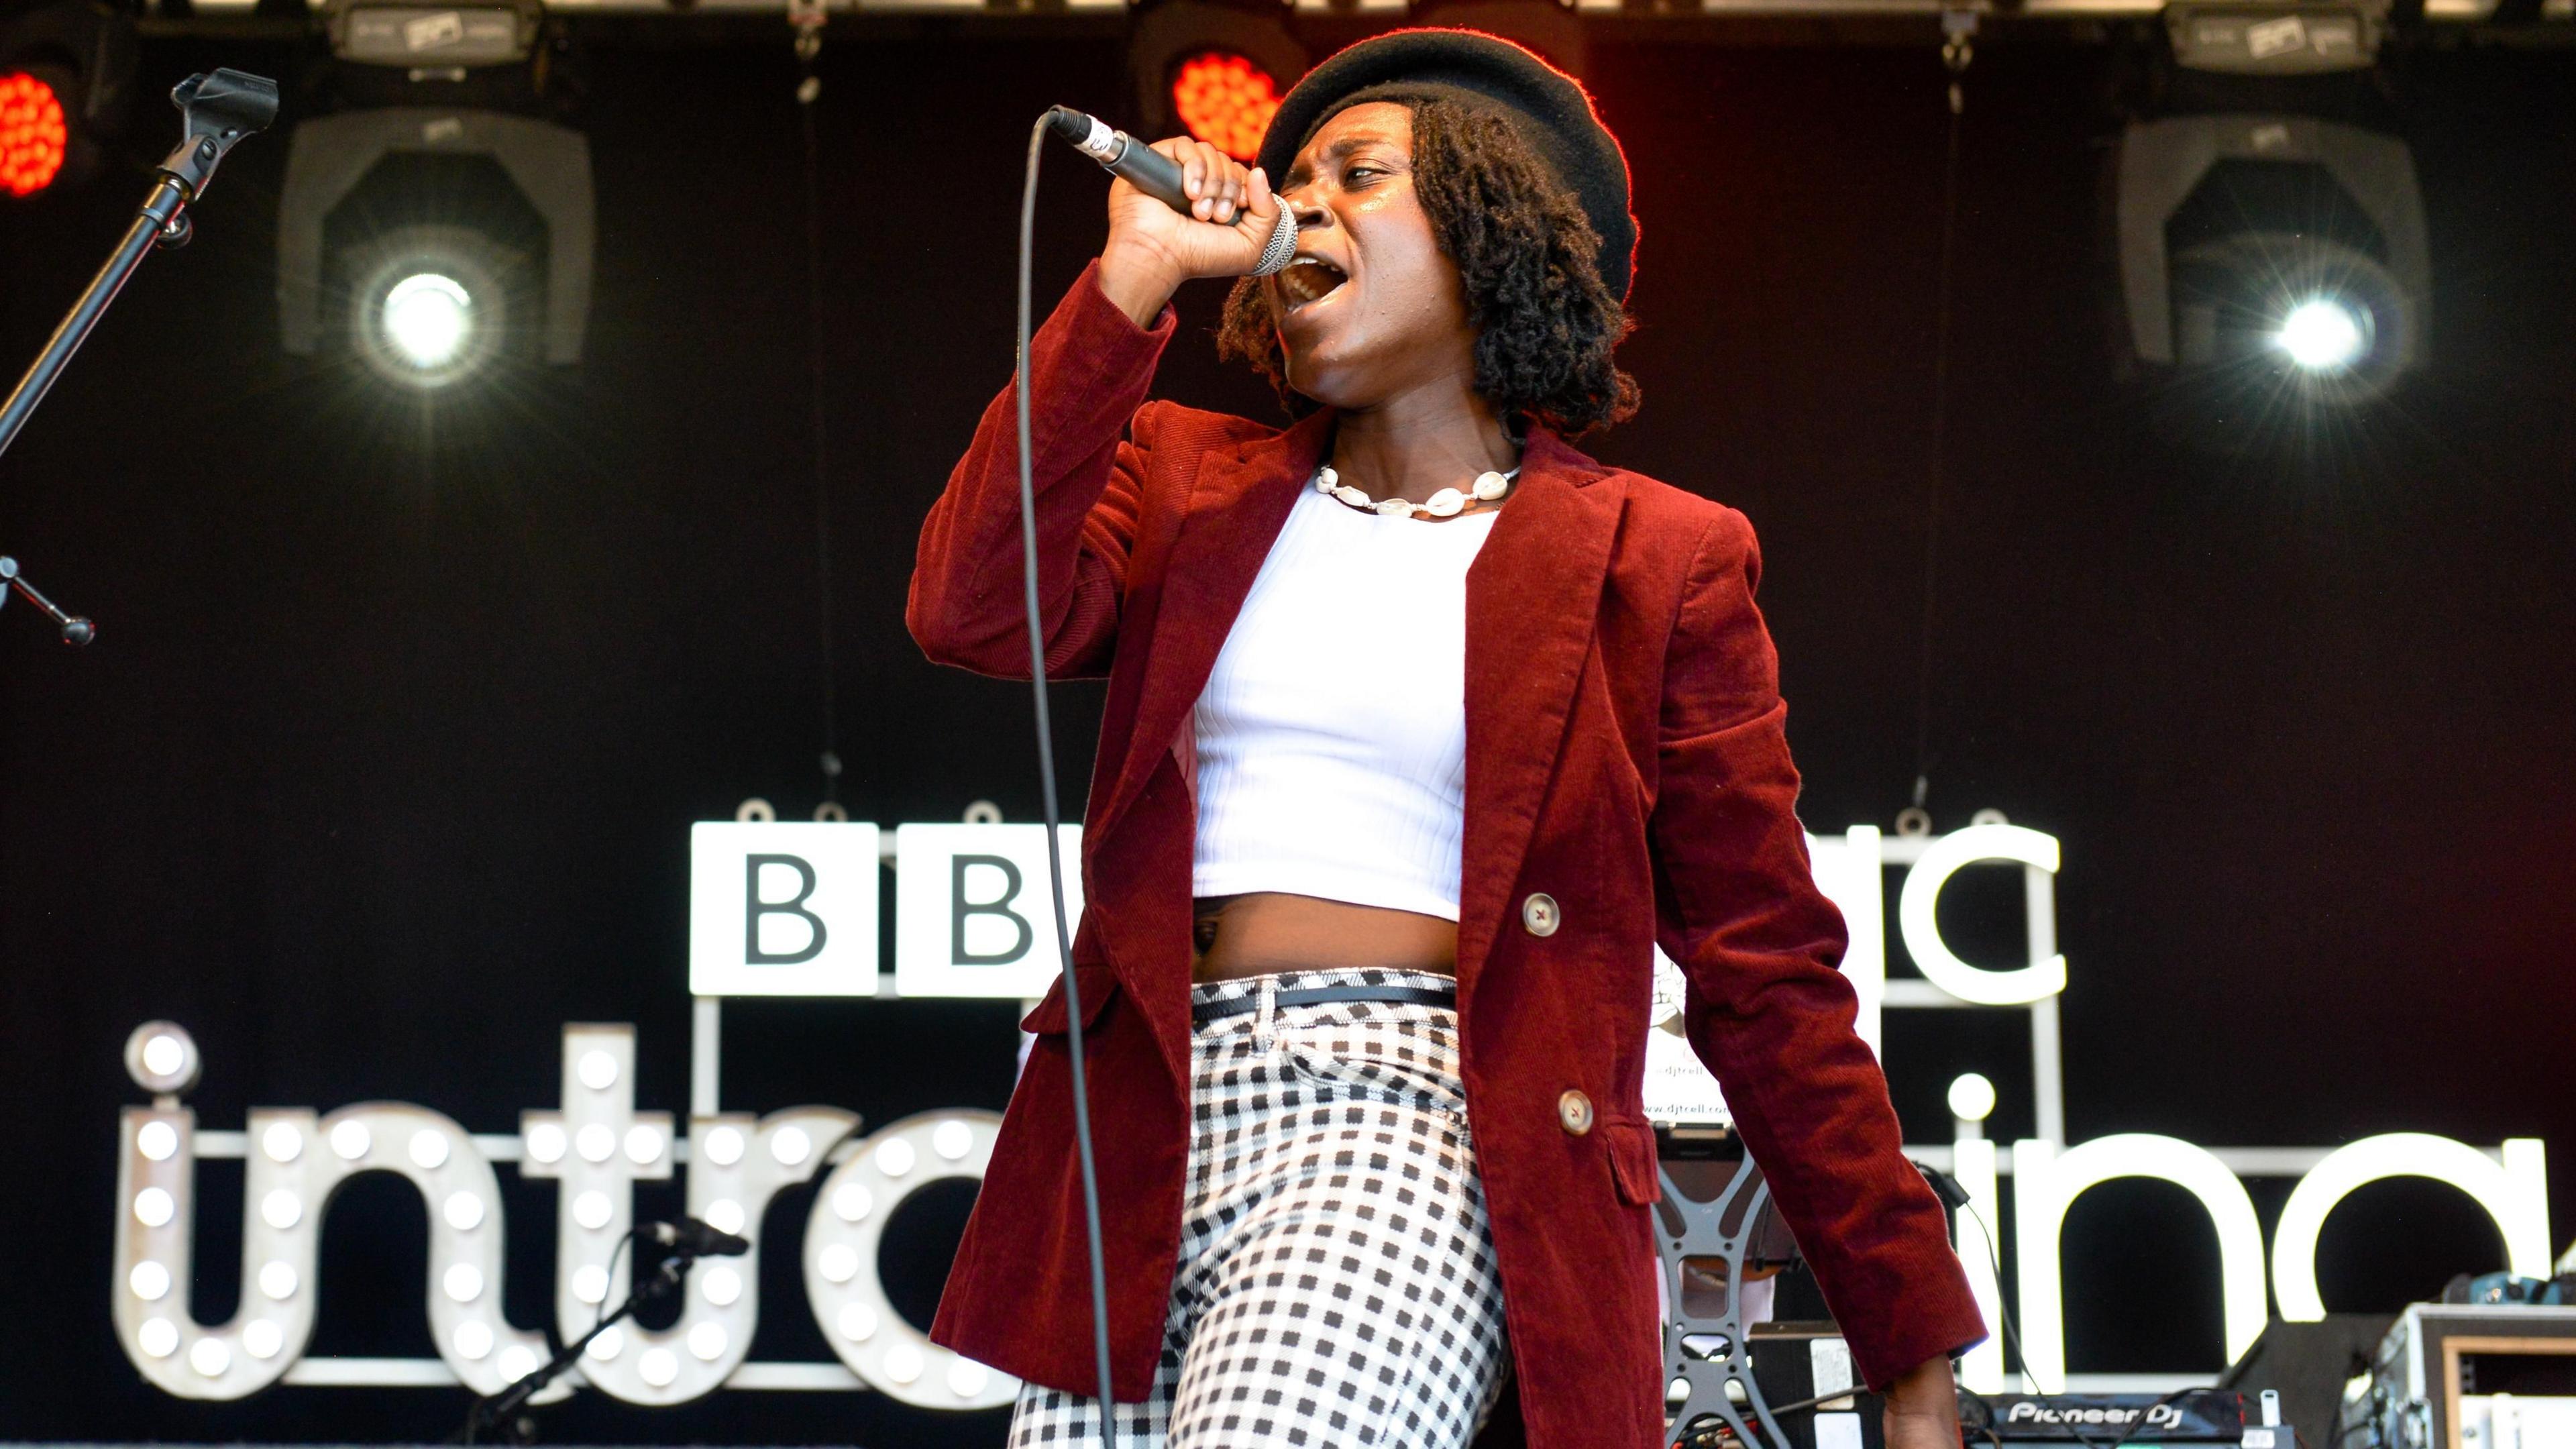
(1225, 100)
(33, 134)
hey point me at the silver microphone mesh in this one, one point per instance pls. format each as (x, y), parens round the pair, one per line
(1282, 246)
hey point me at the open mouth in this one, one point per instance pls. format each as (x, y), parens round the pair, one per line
(1309, 279)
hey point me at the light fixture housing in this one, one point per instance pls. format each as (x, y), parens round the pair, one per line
(2275, 39)
(422, 35)
(532, 301)
(2344, 222)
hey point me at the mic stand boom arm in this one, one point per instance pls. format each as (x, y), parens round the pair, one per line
(218, 111)
(498, 1411)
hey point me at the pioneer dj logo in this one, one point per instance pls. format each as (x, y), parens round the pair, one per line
(2113, 1416)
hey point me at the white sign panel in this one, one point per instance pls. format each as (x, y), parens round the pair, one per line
(1678, 1086)
(783, 910)
(973, 915)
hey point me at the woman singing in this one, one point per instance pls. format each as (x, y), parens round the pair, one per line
(1422, 730)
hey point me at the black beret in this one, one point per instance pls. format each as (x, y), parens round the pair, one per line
(1547, 104)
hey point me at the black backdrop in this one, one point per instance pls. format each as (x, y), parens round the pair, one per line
(384, 765)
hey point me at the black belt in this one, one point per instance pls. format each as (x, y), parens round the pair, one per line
(1320, 995)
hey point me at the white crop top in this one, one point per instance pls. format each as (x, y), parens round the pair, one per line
(1332, 735)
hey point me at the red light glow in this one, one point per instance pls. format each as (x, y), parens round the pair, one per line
(1226, 101)
(32, 134)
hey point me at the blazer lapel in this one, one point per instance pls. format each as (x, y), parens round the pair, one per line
(1238, 501)
(1532, 600)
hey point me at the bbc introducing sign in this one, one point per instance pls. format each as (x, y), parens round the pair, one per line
(793, 909)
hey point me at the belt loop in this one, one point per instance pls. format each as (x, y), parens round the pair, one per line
(1261, 1021)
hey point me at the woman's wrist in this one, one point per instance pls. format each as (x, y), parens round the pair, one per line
(1136, 283)
(1923, 1407)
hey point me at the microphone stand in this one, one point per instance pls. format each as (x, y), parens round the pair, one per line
(76, 630)
(501, 1411)
(217, 111)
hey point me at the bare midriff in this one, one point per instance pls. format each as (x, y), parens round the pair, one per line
(1264, 932)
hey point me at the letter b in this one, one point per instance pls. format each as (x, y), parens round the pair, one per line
(754, 908)
(960, 909)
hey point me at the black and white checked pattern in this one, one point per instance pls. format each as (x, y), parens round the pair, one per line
(1336, 1283)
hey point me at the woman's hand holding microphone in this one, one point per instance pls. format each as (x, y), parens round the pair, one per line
(1152, 249)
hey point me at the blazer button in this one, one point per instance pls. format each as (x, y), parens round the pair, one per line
(1574, 1113)
(1539, 914)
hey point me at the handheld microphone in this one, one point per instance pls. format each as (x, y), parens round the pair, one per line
(1156, 175)
(697, 1239)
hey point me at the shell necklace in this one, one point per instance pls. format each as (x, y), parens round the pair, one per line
(1447, 503)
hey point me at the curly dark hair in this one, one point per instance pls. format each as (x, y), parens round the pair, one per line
(1545, 322)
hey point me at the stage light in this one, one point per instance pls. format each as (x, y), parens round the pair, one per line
(1226, 100)
(453, 239)
(33, 134)
(428, 318)
(1214, 71)
(2269, 259)
(2324, 335)
(66, 76)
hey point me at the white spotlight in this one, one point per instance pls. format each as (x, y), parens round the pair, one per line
(2323, 334)
(428, 318)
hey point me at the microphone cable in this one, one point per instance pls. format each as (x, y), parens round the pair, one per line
(1046, 792)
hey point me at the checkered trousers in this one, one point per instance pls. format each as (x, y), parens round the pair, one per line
(1336, 1283)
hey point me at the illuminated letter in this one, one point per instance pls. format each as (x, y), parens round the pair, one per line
(2516, 1195)
(1914, 915)
(296, 1164)
(842, 1236)
(960, 909)
(2046, 1183)
(753, 908)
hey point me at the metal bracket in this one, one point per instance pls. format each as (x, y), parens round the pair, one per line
(1709, 1352)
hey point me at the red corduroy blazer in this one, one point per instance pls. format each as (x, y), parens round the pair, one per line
(1625, 757)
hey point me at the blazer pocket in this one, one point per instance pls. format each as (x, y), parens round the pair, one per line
(1633, 1166)
(1051, 1019)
